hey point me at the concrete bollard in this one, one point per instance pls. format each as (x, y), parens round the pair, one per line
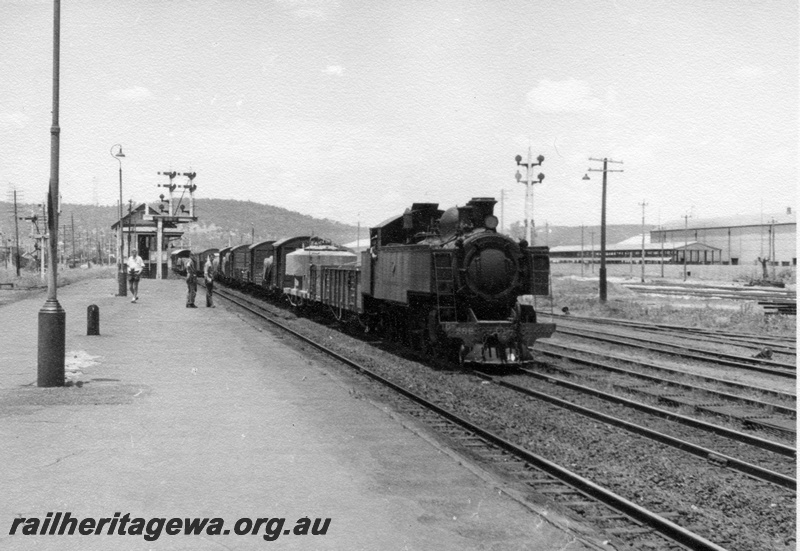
(93, 320)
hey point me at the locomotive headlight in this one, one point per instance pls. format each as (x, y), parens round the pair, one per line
(490, 222)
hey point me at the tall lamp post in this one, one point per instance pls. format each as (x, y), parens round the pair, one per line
(52, 317)
(121, 280)
(529, 181)
(604, 170)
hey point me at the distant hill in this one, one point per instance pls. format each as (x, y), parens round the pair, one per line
(227, 221)
(224, 221)
(220, 222)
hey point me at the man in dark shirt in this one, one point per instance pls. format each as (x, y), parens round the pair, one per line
(191, 282)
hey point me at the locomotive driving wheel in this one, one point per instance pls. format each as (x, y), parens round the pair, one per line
(439, 346)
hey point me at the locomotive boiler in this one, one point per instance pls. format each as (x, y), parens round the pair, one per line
(447, 282)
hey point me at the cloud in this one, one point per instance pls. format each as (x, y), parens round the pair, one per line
(646, 149)
(308, 9)
(333, 70)
(566, 96)
(137, 93)
(13, 120)
(309, 13)
(747, 72)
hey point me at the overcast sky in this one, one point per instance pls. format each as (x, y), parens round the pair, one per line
(352, 110)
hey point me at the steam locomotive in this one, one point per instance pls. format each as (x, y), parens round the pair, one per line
(442, 282)
(447, 281)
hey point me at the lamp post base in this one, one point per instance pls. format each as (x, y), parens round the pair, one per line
(123, 284)
(52, 344)
(603, 285)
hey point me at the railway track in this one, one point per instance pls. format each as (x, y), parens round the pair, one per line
(618, 518)
(674, 387)
(776, 467)
(760, 365)
(783, 345)
(712, 292)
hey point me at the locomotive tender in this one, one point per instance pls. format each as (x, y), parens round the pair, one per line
(443, 282)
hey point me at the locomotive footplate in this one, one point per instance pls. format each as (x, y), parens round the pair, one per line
(502, 341)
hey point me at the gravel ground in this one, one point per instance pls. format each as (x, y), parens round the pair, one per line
(728, 508)
(697, 436)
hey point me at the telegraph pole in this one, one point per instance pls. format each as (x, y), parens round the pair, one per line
(773, 259)
(16, 232)
(686, 241)
(605, 170)
(581, 250)
(52, 317)
(502, 210)
(643, 205)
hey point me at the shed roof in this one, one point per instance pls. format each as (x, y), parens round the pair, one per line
(735, 220)
(633, 247)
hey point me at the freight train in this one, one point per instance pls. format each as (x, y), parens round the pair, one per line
(442, 282)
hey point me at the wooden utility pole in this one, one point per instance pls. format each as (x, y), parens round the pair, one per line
(582, 250)
(643, 205)
(605, 170)
(773, 259)
(16, 233)
(686, 241)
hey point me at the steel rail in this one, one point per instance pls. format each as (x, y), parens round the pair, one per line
(767, 290)
(662, 525)
(752, 337)
(733, 357)
(711, 292)
(706, 358)
(755, 441)
(706, 453)
(701, 337)
(608, 367)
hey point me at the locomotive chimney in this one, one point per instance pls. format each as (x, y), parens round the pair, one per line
(482, 208)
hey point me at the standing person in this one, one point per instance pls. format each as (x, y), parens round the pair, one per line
(208, 274)
(135, 266)
(267, 272)
(191, 283)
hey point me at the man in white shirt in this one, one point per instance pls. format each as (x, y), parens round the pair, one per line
(209, 269)
(135, 266)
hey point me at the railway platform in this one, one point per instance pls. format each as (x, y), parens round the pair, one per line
(190, 414)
